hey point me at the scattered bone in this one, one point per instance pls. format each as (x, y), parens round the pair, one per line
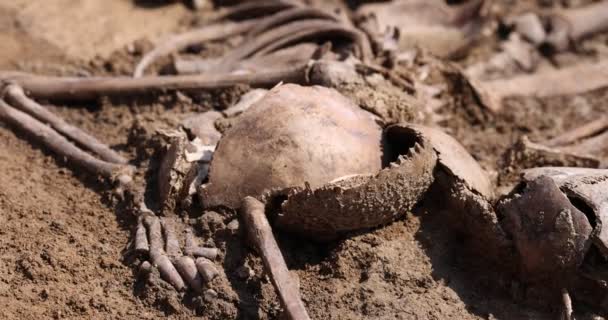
(179, 42)
(157, 254)
(566, 81)
(188, 270)
(206, 268)
(202, 126)
(197, 151)
(527, 154)
(262, 238)
(70, 89)
(172, 246)
(246, 101)
(145, 268)
(141, 239)
(209, 253)
(567, 313)
(18, 98)
(60, 145)
(579, 133)
(572, 25)
(443, 29)
(244, 272)
(529, 26)
(210, 295)
(296, 54)
(176, 173)
(550, 234)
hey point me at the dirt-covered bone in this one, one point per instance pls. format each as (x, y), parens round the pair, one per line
(291, 136)
(543, 84)
(571, 25)
(550, 234)
(443, 29)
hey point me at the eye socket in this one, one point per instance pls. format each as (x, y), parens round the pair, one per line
(397, 141)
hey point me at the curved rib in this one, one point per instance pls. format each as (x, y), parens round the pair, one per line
(181, 41)
(289, 15)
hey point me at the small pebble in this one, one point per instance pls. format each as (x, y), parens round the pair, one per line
(244, 272)
(210, 295)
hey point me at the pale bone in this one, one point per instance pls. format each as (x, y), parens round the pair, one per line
(246, 101)
(179, 42)
(529, 26)
(579, 133)
(588, 185)
(202, 126)
(567, 313)
(188, 270)
(262, 237)
(193, 249)
(60, 145)
(167, 270)
(171, 243)
(443, 29)
(572, 25)
(17, 98)
(526, 154)
(206, 268)
(141, 239)
(567, 81)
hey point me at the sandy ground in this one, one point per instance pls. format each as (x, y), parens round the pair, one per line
(63, 242)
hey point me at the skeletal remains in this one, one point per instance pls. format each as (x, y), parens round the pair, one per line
(307, 158)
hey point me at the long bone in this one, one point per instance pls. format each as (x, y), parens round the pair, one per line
(73, 88)
(17, 97)
(567, 81)
(62, 146)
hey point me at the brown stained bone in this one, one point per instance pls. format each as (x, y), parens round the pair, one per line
(587, 185)
(260, 233)
(172, 247)
(181, 41)
(572, 25)
(282, 17)
(206, 268)
(579, 133)
(293, 135)
(140, 243)
(361, 201)
(550, 235)
(66, 88)
(296, 54)
(15, 95)
(443, 29)
(158, 257)
(188, 270)
(567, 81)
(247, 9)
(292, 32)
(61, 146)
(527, 154)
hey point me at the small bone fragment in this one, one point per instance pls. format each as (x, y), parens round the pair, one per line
(171, 243)
(188, 270)
(572, 25)
(78, 89)
(529, 26)
(246, 101)
(209, 253)
(202, 126)
(579, 133)
(297, 13)
(206, 268)
(567, 312)
(196, 150)
(527, 154)
(567, 81)
(60, 145)
(141, 239)
(18, 98)
(261, 235)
